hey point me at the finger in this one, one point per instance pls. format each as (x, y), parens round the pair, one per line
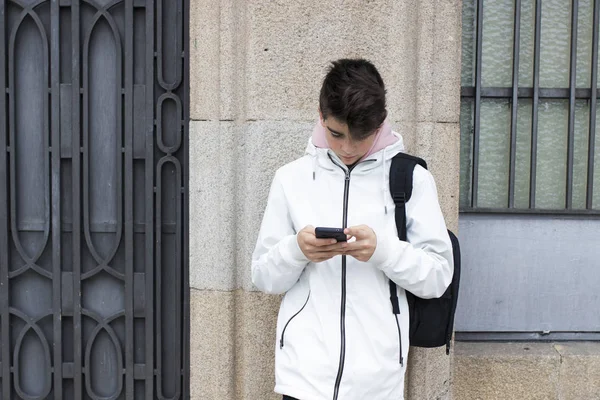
(309, 229)
(356, 246)
(320, 260)
(321, 242)
(329, 253)
(353, 253)
(361, 253)
(320, 257)
(357, 231)
(332, 247)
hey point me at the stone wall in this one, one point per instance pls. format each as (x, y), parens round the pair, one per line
(256, 68)
(533, 371)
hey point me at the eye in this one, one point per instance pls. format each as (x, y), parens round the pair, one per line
(335, 135)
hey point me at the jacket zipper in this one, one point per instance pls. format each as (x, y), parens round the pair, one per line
(338, 380)
(290, 320)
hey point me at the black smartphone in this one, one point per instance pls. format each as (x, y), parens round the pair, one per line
(331, 233)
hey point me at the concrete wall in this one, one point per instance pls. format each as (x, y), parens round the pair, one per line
(256, 68)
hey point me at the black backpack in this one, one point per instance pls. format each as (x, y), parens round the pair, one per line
(431, 320)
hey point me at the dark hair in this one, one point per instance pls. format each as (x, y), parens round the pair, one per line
(353, 92)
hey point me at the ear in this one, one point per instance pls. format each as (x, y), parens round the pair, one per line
(321, 116)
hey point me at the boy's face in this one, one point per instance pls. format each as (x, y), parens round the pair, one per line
(343, 145)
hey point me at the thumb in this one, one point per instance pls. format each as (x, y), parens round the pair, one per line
(353, 231)
(358, 231)
(309, 229)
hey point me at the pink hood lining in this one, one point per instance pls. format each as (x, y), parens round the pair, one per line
(384, 137)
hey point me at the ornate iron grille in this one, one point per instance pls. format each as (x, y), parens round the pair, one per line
(93, 199)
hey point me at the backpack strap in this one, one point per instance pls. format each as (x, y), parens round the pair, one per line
(401, 184)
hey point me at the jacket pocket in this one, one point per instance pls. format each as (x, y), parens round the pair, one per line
(400, 358)
(290, 320)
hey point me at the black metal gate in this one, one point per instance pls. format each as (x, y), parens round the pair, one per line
(93, 199)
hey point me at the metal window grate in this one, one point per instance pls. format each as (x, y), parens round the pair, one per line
(514, 93)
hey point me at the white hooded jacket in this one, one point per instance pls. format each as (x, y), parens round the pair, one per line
(337, 337)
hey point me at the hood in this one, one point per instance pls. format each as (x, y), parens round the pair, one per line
(388, 142)
(385, 147)
(383, 137)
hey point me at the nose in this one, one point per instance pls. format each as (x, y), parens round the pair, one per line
(348, 146)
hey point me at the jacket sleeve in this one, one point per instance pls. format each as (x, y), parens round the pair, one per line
(424, 265)
(277, 261)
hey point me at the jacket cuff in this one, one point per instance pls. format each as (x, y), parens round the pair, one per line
(384, 252)
(381, 254)
(291, 252)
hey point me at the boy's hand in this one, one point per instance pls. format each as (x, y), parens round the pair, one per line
(364, 246)
(318, 250)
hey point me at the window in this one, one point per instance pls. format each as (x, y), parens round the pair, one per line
(529, 107)
(530, 171)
